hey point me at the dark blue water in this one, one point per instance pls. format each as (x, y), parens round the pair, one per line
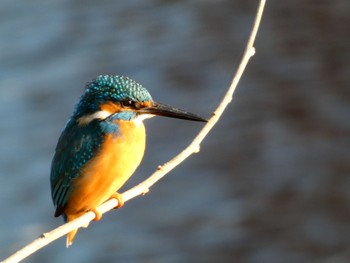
(271, 183)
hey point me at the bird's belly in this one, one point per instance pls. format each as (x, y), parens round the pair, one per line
(103, 175)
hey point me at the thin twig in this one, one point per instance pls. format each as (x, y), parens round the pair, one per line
(162, 170)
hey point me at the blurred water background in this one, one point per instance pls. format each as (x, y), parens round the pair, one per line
(271, 183)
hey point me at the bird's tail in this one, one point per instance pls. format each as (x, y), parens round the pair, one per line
(71, 234)
(70, 237)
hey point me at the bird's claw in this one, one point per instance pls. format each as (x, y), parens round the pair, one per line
(119, 197)
(98, 214)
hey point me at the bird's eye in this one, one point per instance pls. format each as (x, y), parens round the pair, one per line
(127, 103)
(131, 104)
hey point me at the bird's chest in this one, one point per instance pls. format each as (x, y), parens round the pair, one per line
(120, 153)
(116, 161)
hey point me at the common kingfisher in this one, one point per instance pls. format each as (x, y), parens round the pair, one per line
(102, 144)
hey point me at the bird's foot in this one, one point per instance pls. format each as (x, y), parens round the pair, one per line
(119, 197)
(98, 214)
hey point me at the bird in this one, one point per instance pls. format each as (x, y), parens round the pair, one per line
(102, 144)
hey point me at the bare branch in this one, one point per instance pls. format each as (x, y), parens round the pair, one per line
(161, 171)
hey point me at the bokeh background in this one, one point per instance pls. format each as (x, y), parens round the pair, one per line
(271, 183)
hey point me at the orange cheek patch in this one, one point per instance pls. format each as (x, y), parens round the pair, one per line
(147, 103)
(110, 107)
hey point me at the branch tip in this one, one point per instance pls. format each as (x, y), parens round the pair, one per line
(197, 149)
(252, 51)
(145, 191)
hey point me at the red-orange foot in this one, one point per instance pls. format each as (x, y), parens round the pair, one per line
(119, 197)
(98, 215)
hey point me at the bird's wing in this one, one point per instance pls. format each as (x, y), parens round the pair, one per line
(76, 146)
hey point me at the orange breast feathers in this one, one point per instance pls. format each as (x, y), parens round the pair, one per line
(109, 170)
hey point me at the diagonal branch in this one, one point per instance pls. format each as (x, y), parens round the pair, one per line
(143, 187)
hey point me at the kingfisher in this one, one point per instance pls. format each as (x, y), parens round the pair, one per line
(102, 144)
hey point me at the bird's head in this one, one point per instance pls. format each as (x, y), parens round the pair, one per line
(122, 98)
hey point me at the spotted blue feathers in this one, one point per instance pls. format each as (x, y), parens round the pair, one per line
(110, 88)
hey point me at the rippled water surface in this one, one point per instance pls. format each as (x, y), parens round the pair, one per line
(271, 183)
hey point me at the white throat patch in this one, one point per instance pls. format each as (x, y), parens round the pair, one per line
(139, 119)
(99, 115)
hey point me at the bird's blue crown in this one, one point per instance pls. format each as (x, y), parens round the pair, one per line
(110, 88)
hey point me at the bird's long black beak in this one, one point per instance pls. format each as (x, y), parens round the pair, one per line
(160, 109)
